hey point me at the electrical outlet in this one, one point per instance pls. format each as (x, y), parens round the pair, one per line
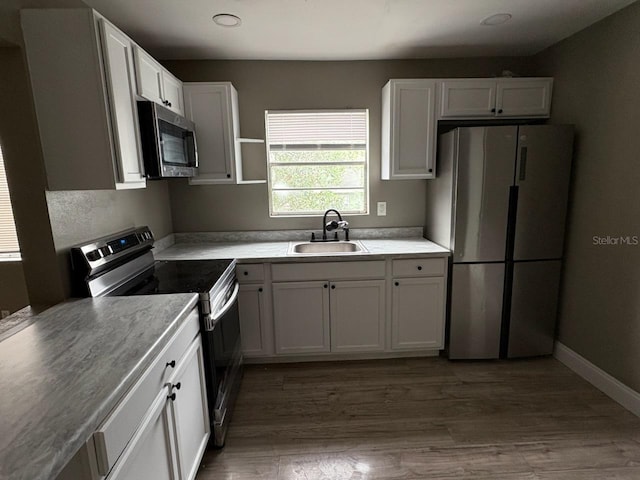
(4, 313)
(382, 209)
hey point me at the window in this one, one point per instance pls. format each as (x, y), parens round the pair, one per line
(318, 160)
(8, 239)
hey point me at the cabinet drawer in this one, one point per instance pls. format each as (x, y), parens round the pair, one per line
(114, 434)
(250, 273)
(419, 267)
(282, 272)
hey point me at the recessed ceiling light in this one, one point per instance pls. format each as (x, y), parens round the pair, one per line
(227, 20)
(497, 19)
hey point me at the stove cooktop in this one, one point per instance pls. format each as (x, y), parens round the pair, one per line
(177, 276)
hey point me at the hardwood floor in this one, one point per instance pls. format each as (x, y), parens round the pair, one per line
(424, 419)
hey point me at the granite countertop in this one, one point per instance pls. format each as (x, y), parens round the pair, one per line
(276, 251)
(62, 374)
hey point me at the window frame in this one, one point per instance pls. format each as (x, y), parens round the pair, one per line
(9, 255)
(365, 187)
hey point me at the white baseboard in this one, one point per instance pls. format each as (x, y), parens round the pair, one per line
(625, 396)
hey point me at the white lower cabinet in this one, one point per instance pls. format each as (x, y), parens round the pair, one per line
(160, 428)
(170, 441)
(357, 316)
(417, 320)
(189, 408)
(149, 455)
(327, 316)
(301, 317)
(369, 308)
(253, 320)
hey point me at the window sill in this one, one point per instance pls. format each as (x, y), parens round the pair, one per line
(10, 257)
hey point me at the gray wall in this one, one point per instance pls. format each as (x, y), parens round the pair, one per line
(78, 216)
(13, 292)
(49, 222)
(25, 174)
(264, 85)
(597, 80)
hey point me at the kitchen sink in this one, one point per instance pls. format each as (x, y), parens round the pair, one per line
(326, 248)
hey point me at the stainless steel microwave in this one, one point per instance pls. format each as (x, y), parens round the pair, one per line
(168, 142)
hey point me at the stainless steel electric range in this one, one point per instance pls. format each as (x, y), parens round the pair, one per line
(123, 264)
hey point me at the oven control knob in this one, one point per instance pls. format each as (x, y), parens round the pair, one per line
(93, 255)
(172, 396)
(171, 364)
(177, 386)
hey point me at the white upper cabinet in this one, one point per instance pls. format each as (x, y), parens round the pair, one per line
(213, 107)
(408, 129)
(495, 97)
(118, 54)
(155, 83)
(148, 77)
(82, 76)
(173, 92)
(524, 97)
(468, 98)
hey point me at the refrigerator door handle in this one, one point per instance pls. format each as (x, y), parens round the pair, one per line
(523, 163)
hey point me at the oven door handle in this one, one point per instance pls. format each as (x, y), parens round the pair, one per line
(228, 305)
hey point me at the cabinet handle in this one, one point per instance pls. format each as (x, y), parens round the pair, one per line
(419, 267)
(260, 289)
(172, 396)
(500, 111)
(397, 284)
(326, 286)
(430, 170)
(246, 273)
(333, 287)
(493, 110)
(228, 175)
(171, 364)
(177, 385)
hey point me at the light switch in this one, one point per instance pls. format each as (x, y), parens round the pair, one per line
(382, 209)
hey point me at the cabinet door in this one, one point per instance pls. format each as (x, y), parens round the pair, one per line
(172, 92)
(524, 97)
(209, 106)
(301, 317)
(118, 54)
(468, 98)
(409, 151)
(357, 316)
(253, 318)
(148, 76)
(150, 453)
(418, 313)
(190, 411)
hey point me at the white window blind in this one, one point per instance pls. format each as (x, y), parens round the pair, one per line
(8, 237)
(317, 160)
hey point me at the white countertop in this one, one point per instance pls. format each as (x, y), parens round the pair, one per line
(252, 251)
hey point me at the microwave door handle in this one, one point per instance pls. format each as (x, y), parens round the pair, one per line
(220, 313)
(192, 146)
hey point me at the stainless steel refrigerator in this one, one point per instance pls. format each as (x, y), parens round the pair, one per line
(499, 203)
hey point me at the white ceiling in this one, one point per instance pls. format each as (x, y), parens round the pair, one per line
(350, 29)
(346, 29)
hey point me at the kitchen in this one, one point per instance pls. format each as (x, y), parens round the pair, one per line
(594, 79)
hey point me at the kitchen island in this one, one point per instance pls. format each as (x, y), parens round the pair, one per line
(65, 372)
